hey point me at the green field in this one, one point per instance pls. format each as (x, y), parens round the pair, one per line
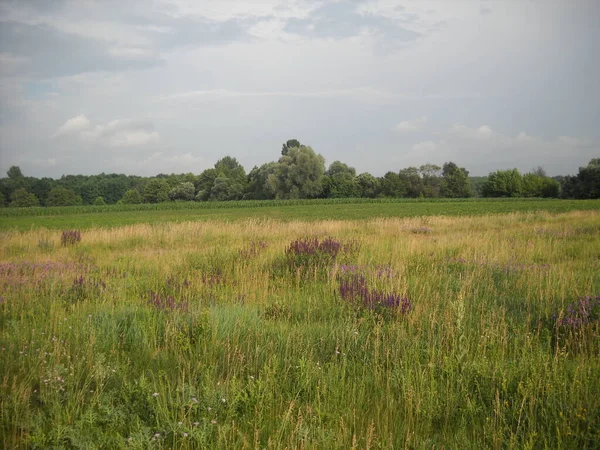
(331, 209)
(420, 325)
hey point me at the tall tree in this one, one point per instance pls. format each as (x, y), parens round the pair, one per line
(298, 174)
(291, 143)
(455, 182)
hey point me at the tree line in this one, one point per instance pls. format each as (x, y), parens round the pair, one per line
(300, 172)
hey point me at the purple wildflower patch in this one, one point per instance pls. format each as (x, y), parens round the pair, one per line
(585, 311)
(354, 289)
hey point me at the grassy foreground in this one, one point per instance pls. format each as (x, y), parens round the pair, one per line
(210, 335)
(24, 219)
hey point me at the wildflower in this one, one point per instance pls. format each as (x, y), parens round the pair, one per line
(194, 400)
(184, 435)
(155, 394)
(213, 422)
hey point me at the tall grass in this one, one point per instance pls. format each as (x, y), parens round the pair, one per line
(190, 335)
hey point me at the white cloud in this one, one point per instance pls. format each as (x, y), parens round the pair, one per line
(73, 125)
(409, 126)
(424, 147)
(117, 133)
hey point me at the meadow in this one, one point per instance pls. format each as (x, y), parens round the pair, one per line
(448, 331)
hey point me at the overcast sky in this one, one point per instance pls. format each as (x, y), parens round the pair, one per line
(150, 86)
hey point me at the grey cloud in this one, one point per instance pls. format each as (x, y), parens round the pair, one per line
(340, 20)
(47, 52)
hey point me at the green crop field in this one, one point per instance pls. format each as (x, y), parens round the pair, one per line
(331, 209)
(418, 325)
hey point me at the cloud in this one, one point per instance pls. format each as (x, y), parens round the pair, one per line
(366, 94)
(124, 133)
(49, 51)
(117, 133)
(342, 19)
(424, 147)
(73, 125)
(409, 126)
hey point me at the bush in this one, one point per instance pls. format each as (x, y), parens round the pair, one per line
(99, 201)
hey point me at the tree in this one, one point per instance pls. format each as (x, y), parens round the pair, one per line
(132, 197)
(298, 174)
(340, 181)
(291, 143)
(431, 176)
(23, 199)
(455, 182)
(14, 173)
(183, 191)
(41, 188)
(257, 186)
(589, 180)
(99, 201)
(60, 196)
(412, 182)
(225, 189)
(2, 200)
(503, 183)
(156, 191)
(392, 185)
(369, 185)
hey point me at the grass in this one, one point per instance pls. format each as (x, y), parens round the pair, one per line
(209, 334)
(284, 210)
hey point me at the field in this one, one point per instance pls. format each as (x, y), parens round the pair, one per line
(324, 209)
(388, 325)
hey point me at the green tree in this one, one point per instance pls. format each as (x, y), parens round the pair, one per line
(504, 183)
(392, 185)
(99, 201)
(14, 173)
(225, 188)
(369, 185)
(2, 200)
(291, 143)
(41, 188)
(455, 181)
(60, 196)
(156, 191)
(23, 199)
(257, 186)
(298, 174)
(132, 197)
(340, 181)
(431, 176)
(412, 182)
(183, 191)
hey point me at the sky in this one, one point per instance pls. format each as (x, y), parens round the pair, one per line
(154, 86)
